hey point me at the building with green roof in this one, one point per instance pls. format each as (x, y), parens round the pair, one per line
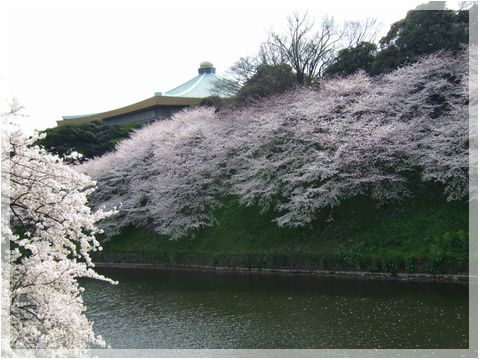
(163, 106)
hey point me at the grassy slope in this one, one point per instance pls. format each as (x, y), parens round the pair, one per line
(424, 234)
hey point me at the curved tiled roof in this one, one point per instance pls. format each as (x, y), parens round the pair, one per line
(190, 93)
(201, 86)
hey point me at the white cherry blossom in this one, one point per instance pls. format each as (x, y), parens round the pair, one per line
(51, 234)
(299, 152)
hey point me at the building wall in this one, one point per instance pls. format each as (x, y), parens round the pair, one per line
(160, 112)
(164, 112)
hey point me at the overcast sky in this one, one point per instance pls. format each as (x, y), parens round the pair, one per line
(78, 57)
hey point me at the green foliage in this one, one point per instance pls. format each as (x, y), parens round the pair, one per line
(425, 234)
(267, 80)
(394, 264)
(218, 103)
(421, 32)
(386, 60)
(427, 31)
(352, 59)
(215, 101)
(90, 139)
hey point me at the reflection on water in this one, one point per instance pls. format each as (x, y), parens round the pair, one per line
(187, 309)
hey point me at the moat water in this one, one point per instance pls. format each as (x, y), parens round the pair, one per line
(163, 309)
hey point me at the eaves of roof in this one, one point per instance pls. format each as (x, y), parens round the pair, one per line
(141, 105)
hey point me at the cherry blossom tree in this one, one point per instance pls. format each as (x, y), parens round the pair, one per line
(168, 174)
(51, 235)
(296, 153)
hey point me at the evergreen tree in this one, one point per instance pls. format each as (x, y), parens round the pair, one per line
(268, 80)
(91, 139)
(351, 59)
(422, 32)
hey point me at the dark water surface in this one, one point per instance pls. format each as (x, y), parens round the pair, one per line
(205, 309)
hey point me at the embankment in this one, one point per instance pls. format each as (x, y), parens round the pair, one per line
(424, 235)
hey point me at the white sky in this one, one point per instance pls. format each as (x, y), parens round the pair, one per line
(70, 57)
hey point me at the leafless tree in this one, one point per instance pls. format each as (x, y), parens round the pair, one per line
(13, 108)
(270, 55)
(236, 76)
(366, 30)
(225, 88)
(243, 69)
(305, 48)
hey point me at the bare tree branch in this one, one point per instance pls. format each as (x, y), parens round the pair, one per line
(304, 48)
(366, 30)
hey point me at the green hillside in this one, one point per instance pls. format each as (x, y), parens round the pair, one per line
(424, 233)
